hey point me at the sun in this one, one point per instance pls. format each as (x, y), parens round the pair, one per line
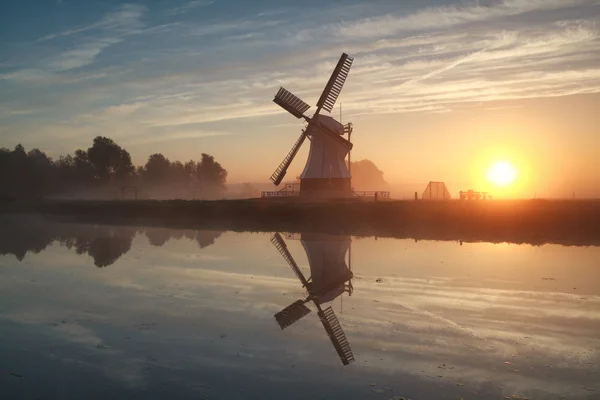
(501, 173)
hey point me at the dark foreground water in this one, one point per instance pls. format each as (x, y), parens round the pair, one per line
(101, 312)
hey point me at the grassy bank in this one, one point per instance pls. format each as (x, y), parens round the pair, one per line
(570, 222)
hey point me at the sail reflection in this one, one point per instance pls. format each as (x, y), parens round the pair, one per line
(330, 277)
(104, 243)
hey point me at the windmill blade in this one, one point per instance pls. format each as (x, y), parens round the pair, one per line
(336, 335)
(280, 245)
(291, 103)
(280, 172)
(291, 314)
(336, 82)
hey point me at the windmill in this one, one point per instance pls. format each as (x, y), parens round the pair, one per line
(325, 172)
(329, 274)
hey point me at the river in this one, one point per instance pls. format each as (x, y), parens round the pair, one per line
(99, 311)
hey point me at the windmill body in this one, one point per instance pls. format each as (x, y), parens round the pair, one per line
(326, 170)
(325, 173)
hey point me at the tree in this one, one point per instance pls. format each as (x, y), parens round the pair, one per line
(25, 174)
(5, 170)
(104, 167)
(84, 169)
(39, 158)
(39, 173)
(210, 174)
(65, 163)
(19, 153)
(190, 168)
(109, 160)
(178, 173)
(156, 169)
(366, 176)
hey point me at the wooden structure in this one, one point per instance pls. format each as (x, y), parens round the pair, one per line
(436, 191)
(375, 195)
(472, 195)
(292, 191)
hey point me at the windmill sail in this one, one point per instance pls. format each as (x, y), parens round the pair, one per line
(280, 172)
(336, 83)
(336, 335)
(279, 243)
(291, 314)
(291, 103)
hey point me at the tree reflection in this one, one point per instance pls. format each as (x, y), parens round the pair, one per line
(207, 238)
(160, 236)
(104, 244)
(20, 235)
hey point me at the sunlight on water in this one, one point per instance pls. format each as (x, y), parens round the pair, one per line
(163, 313)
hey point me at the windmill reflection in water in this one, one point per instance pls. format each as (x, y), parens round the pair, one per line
(330, 278)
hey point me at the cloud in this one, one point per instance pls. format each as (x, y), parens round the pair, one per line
(174, 135)
(81, 55)
(190, 5)
(115, 111)
(447, 16)
(127, 19)
(96, 37)
(432, 77)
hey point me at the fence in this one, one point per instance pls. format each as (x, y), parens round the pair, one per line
(376, 195)
(281, 193)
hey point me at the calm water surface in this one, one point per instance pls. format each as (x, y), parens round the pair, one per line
(96, 312)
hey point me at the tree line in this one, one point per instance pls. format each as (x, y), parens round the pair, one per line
(103, 170)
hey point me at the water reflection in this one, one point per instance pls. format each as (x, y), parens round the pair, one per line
(330, 277)
(104, 243)
(427, 319)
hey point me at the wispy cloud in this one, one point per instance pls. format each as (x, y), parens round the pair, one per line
(127, 19)
(90, 41)
(190, 5)
(447, 16)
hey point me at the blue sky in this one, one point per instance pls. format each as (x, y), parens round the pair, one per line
(185, 77)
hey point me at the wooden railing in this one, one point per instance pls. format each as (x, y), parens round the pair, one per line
(280, 193)
(375, 194)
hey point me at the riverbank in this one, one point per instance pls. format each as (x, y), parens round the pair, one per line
(567, 222)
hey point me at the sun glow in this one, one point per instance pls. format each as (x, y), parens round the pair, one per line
(501, 174)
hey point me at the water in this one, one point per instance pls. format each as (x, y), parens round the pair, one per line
(101, 312)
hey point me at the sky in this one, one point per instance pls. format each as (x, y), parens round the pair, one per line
(438, 91)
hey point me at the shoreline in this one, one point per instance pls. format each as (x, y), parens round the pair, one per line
(536, 222)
